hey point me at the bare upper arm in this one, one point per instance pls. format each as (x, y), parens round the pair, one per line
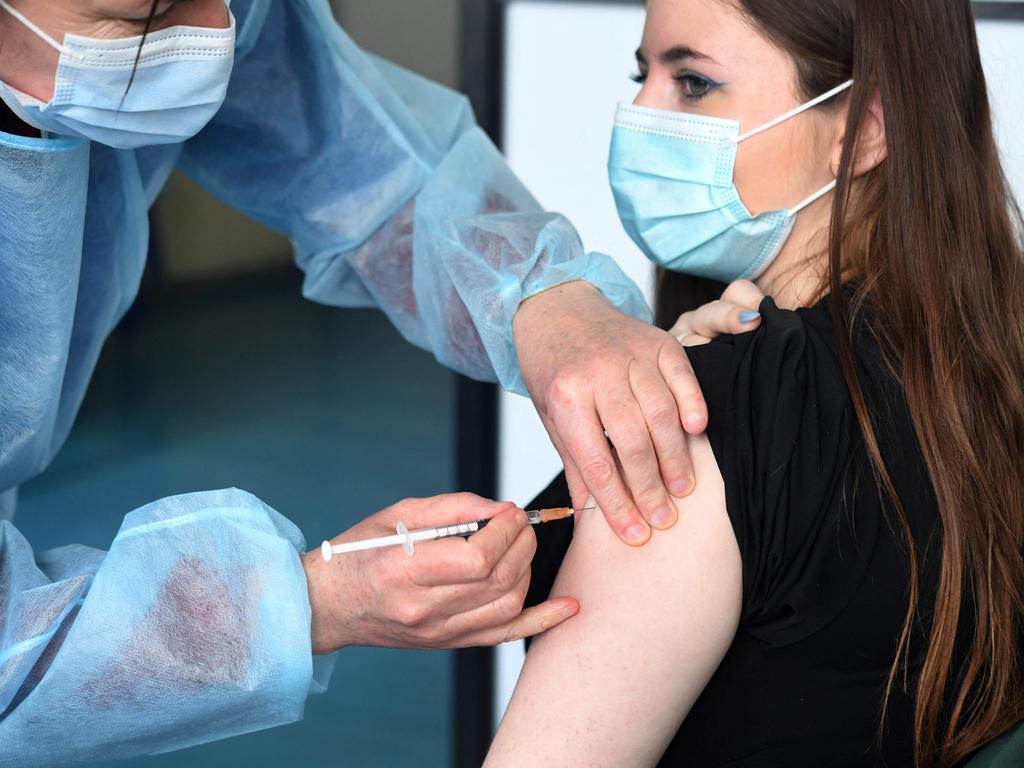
(610, 686)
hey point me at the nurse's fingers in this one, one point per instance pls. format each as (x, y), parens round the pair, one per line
(678, 374)
(447, 508)
(468, 561)
(442, 602)
(629, 432)
(504, 620)
(660, 411)
(578, 491)
(588, 445)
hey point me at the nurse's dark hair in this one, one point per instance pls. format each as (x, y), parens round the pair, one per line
(145, 32)
(931, 239)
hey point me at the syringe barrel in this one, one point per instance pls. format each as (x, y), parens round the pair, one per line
(456, 529)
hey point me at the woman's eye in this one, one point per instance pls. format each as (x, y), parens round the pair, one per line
(695, 87)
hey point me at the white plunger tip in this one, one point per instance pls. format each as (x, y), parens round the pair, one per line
(407, 545)
(326, 551)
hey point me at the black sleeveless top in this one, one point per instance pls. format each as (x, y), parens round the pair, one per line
(825, 575)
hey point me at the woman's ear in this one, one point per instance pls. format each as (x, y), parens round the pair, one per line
(871, 143)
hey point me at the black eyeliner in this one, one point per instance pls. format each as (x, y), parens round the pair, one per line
(687, 78)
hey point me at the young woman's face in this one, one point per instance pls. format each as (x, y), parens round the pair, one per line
(705, 57)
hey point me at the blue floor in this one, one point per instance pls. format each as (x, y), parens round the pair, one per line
(325, 414)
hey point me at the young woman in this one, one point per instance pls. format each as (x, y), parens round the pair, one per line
(844, 587)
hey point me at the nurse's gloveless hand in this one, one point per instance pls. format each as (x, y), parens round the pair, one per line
(593, 371)
(451, 593)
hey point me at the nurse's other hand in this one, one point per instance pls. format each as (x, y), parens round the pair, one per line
(592, 370)
(735, 312)
(451, 593)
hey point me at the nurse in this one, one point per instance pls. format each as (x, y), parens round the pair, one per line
(203, 620)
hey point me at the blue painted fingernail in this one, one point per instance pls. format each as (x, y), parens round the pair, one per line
(749, 317)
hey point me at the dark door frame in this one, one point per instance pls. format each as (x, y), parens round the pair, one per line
(482, 75)
(477, 410)
(999, 10)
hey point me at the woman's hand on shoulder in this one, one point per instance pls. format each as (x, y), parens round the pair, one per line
(735, 312)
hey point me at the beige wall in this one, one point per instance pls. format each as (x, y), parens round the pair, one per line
(422, 35)
(200, 238)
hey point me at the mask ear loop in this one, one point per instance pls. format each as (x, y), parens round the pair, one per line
(812, 199)
(794, 112)
(789, 115)
(32, 26)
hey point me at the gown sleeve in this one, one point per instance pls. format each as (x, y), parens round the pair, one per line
(390, 193)
(193, 627)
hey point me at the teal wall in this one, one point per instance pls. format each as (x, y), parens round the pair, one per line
(325, 414)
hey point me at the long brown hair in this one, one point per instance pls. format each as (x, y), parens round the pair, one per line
(931, 240)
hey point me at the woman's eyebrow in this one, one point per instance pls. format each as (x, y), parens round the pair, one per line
(675, 54)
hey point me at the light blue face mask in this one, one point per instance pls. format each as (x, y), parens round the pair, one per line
(672, 177)
(180, 82)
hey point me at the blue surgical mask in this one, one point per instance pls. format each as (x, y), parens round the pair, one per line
(672, 177)
(181, 79)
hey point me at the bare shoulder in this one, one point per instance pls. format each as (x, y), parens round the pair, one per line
(654, 623)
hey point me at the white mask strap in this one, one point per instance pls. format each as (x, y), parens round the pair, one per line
(792, 113)
(813, 198)
(32, 26)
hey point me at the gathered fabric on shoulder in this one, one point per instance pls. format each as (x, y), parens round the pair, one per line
(785, 437)
(825, 572)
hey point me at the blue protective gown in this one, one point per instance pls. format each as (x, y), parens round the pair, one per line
(195, 625)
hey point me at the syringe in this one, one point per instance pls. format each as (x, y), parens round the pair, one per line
(408, 539)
